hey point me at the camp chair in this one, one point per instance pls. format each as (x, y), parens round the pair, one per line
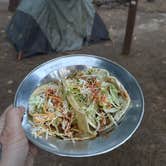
(129, 26)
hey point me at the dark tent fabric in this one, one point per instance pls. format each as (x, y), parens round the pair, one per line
(27, 36)
(99, 31)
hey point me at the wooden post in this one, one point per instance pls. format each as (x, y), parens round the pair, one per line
(13, 5)
(20, 55)
(130, 27)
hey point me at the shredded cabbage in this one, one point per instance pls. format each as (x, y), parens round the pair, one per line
(78, 107)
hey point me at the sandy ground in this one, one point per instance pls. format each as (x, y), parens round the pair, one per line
(147, 62)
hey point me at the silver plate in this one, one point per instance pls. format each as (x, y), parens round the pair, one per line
(62, 66)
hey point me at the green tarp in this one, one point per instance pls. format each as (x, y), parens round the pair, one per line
(65, 23)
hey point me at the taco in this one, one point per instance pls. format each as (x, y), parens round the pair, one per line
(78, 107)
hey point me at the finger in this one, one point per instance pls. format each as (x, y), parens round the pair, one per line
(20, 111)
(33, 149)
(29, 160)
(14, 117)
(31, 155)
(5, 112)
(3, 118)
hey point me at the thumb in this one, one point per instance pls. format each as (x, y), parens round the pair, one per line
(3, 118)
(14, 117)
(20, 111)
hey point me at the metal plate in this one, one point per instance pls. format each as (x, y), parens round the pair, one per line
(62, 66)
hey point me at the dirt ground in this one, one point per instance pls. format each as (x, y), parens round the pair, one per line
(147, 62)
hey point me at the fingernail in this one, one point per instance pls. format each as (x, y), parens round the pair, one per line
(21, 111)
(21, 108)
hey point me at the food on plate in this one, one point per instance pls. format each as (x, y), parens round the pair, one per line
(79, 106)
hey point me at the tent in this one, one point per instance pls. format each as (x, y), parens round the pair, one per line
(44, 26)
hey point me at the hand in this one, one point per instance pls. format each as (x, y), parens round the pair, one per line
(16, 150)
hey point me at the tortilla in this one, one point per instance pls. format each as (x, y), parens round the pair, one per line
(78, 107)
